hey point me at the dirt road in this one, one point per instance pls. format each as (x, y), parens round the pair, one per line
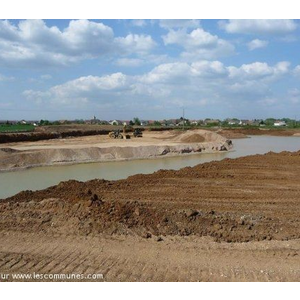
(134, 259)
(233, 220)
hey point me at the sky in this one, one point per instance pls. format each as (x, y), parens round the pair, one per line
(151, 69)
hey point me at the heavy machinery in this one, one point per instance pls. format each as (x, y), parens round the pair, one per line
(116, 134)
(137, 132)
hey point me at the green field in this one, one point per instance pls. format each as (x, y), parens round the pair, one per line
(16, 128)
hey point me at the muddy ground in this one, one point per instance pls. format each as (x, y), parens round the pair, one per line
(233, 220)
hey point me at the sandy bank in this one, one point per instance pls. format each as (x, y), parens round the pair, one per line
(24, 155)
(238, 133)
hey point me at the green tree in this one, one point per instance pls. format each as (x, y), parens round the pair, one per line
(136, 121)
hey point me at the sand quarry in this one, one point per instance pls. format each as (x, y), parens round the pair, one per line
(102, 148)
(232, 220)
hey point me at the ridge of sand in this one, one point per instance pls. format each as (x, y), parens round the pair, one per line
(35, 154)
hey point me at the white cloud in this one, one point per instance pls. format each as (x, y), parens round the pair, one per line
(294, 95)
(6, 78)
(268, 101)
(46, 77)
(211, 69)
(199, 44)
(82, 88)
(259, 71)
(168, 73)
(259, 26)
(139, 23)
(134, 43)
(296, 71)
(170, 83)
(179, 23)
(33, 43)
(129, 62)
(256, 44)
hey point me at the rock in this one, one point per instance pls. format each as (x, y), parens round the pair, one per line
(94, 200)
(191, 213)
(94, 197)
(241, 222)
(147, 235)
(159, 239)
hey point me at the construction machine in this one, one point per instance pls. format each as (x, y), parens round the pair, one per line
(116, 134)
(137, 132)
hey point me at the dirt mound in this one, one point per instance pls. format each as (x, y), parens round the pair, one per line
(234, 200)
(92, 215)
(195, 138)
(198, 136)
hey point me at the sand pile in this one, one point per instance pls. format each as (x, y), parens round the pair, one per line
(194, 138)
(198, 136)
(182, 143)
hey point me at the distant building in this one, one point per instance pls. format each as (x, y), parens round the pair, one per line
(245, 122)
(103, 122)
(233, 121)
(279, 123)
(211, 122)
(115, 122)
(144, 123)
(194, 122)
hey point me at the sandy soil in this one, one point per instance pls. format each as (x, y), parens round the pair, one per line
(237, 133)
(134, 259)
(149, 138)
(233, 220)
(102, 148)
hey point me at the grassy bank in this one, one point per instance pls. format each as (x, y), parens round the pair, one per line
(16, 128)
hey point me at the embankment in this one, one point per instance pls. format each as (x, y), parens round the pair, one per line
(38, 136)
(251, 198)
(14, 159)
(237, 133)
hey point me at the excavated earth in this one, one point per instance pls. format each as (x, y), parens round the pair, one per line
(236, 219)
(97, 148)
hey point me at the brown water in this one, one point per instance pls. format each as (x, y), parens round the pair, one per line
(42, 177)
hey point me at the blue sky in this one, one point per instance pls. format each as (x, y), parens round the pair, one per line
(120, 69)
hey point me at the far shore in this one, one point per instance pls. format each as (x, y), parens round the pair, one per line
(88, 149)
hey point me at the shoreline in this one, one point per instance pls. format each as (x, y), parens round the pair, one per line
(92, 150)
(219, 220)
(212, 187)
(59, 164)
